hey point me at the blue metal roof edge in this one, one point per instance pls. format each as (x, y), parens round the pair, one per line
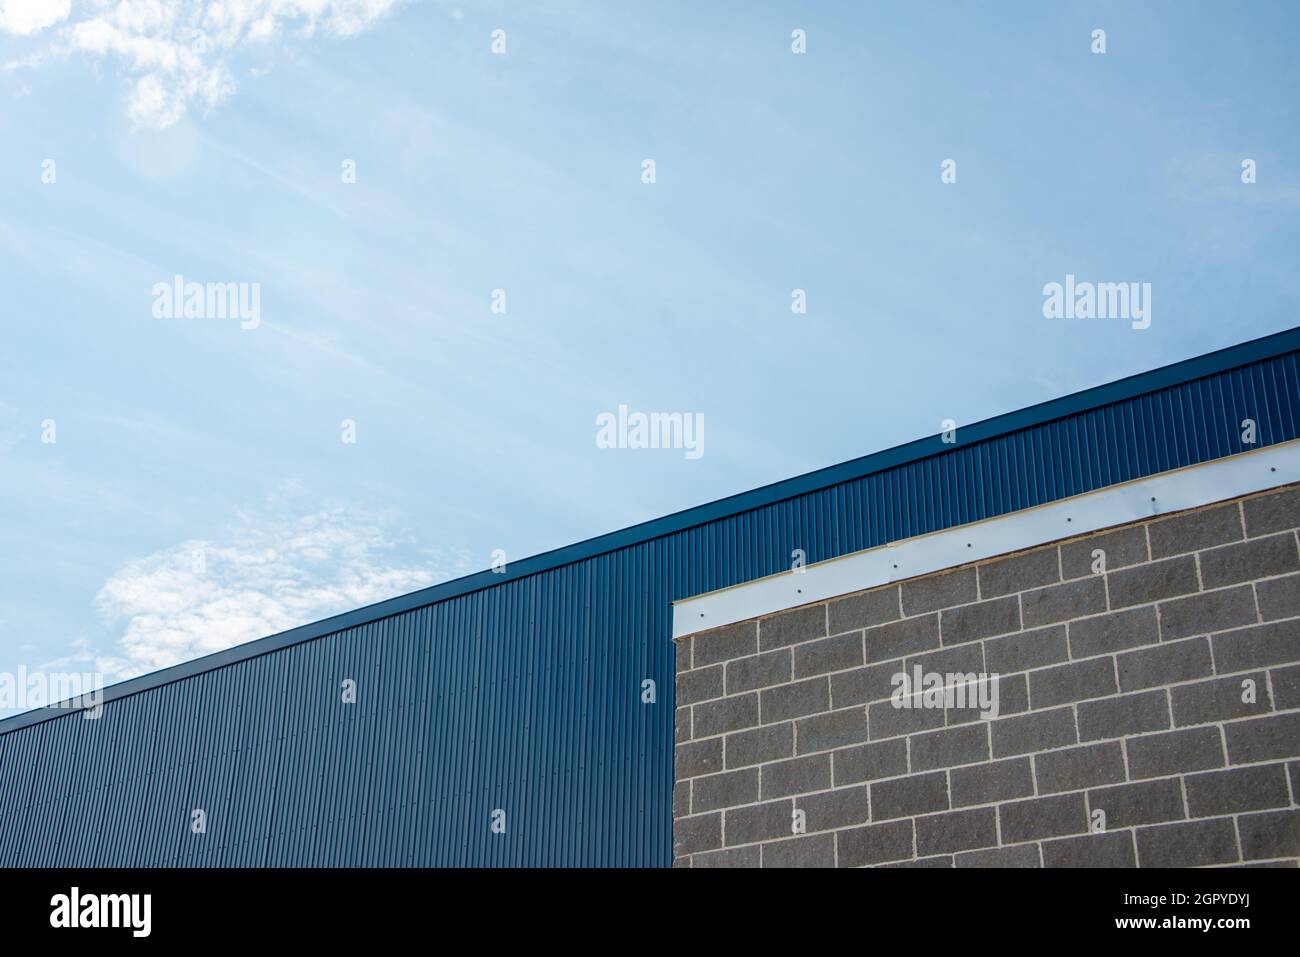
(1178, 373)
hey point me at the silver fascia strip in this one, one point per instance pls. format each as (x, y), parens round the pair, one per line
(1173, 491)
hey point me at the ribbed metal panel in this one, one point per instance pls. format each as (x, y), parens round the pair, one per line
(524, 695)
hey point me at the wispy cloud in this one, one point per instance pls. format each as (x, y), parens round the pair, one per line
(25, 17)
(263, 576)
(179, 54)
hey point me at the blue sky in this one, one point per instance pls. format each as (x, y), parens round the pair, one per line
(478, 171)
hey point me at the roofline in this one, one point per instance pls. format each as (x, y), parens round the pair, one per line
(1187, 370)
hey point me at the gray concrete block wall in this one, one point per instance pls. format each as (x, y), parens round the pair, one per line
(1120, 692)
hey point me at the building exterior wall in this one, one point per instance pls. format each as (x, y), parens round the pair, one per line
(523, 690)
(1122, 690)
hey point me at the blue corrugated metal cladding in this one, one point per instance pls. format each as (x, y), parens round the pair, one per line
(522, 692)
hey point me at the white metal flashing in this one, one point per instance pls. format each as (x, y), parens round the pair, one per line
(1173, 491)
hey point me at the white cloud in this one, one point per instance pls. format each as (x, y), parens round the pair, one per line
(183, 53)
(263, 577)
(31, 16)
